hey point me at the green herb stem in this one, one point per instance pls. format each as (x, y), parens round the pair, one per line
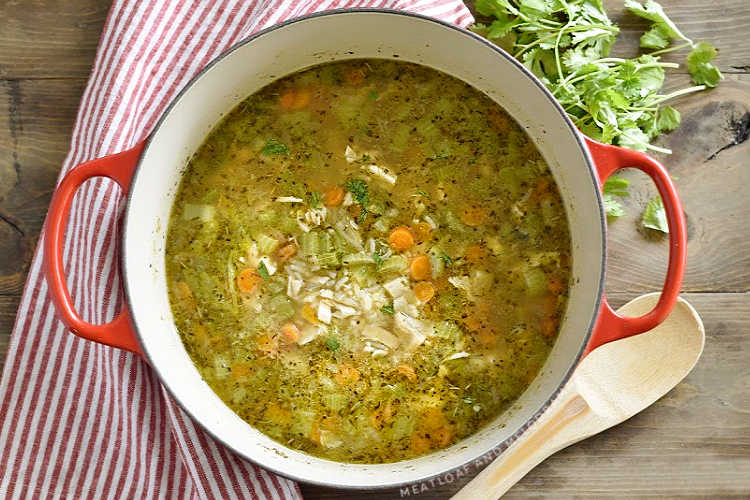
(671, 49)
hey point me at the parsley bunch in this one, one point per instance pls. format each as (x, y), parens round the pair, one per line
(566, 45)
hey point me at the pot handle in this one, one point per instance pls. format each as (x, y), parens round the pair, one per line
(120, 168)
(610, 325)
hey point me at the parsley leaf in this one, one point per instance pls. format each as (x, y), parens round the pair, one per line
(378, 260)
(362, 215)
(614, 186)
(566, 45)
(332, 343)
(373, 95)
(654, 216)
(654, 12)
(274, 147)
(388, 309)
(446, 258)
(617, 186)
(315, 199)
(359, 191)
(612, 207)
(655, 38)
(700, 67)
(667, 119)
(262, 271)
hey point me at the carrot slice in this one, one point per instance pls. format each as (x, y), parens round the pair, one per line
(442, 436)
(308, 312)
(355, 77)
(287, 99)
(555, 285)
(295, 99)
(240, 371)
(286, 252)
(475, 254)
(407, 371)
(248, 280)
(422, 231)
(420, 267)
(473, 216)
(401, 239)
(347, 375)
(334, 196)
(473, 323)
(419, 443)
(268, 345)
(302, 99)
(424, 291)
(290, 332)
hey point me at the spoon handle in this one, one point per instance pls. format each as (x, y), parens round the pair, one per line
(549, 434)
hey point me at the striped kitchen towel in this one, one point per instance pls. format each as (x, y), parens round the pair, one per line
(82, 420)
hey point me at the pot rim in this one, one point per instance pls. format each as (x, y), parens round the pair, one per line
(500, 52)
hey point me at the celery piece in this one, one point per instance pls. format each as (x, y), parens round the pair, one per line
(266, 244)
(381, 225)
(453, 222)
(196, 211)
(403, 426)
(274, 285)
(437, 262)
(535, 280)
(339, 243)
(362, 274)
(281, 307)
(328, 259)
(325, 243)
(356, 259)
(302, 422)
(376, 207)
(309, 243)
(335, 401)
(394, 264)
(448, 330)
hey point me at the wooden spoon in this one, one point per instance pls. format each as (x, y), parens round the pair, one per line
(610, 385)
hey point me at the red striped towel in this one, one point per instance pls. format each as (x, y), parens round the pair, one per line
(81, 420)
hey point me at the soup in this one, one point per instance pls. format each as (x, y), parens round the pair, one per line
(368, 260)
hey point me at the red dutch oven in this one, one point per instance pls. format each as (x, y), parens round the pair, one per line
(150, 172)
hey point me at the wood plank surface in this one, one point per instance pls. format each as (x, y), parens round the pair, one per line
(49, 38)
(695, 442)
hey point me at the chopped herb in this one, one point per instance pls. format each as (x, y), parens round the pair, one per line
(615, 186)
(373, 95)
(378, 260)
(388, 309)
(262, 271)
(315, 199)
(440, 156)
(421, 193)
(654, 216)
(446, 258)
(365, 158)
(359, 190)
(274, 147)
(362, 215)
(332, 343)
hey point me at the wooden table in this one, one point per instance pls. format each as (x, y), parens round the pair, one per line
(693, 442)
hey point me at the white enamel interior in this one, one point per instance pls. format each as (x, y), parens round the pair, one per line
(285, 50)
